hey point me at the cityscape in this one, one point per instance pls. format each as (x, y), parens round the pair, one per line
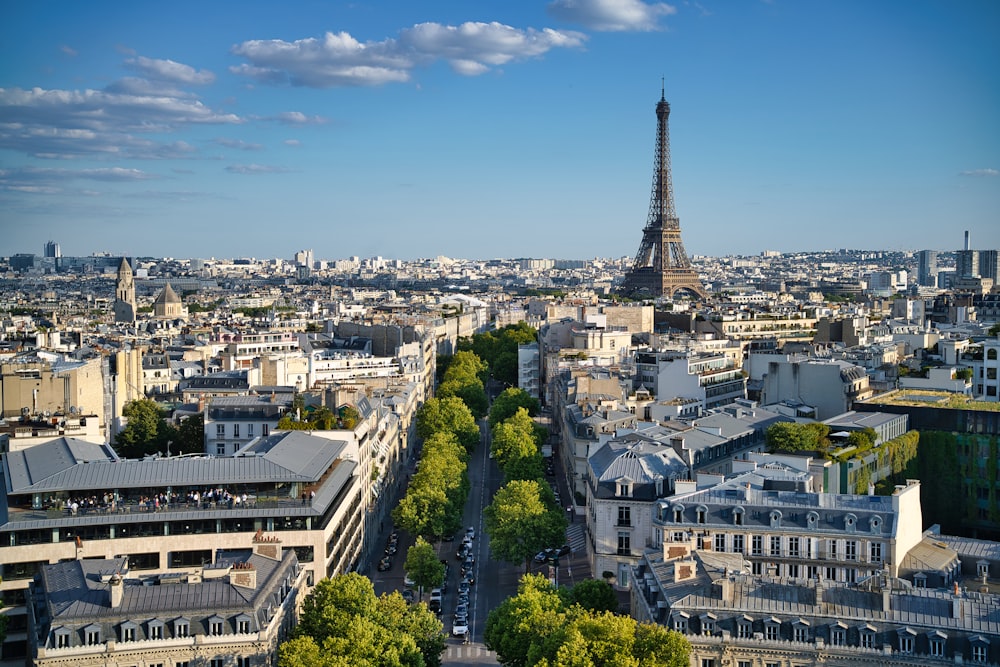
(369, 411)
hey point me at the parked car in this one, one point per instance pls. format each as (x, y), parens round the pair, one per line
(408, 582)
(564, 550)
(409, 595)
(460, 629)
(435, 606)
(470, 532)
(385, 564)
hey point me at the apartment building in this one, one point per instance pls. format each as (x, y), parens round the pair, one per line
(231, 612)
(233, 421)
(713, 378)
(70, 500)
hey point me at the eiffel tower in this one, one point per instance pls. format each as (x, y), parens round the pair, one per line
(661, 267)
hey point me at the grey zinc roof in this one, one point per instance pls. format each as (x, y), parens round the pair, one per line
(637, 459)
(968, 547)
(290, 456)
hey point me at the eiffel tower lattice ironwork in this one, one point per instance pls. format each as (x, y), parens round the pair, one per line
(661, 267)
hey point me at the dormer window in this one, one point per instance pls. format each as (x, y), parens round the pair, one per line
(772, 629)
(707, 624)
(875, 525)
(701, 513)
(60, 637)
(936, 640)
(625, 489)
(92, 635)
(243, 624)
(812, 519)
(738, 513)
(128, 631)
(678, 514)
(775, 518)
(801, 630)
(155, 629)
(838, 634)
(850, 523)
(681, 622)
(905, 640)
(182, 627)
(867, 634)
(215, 626)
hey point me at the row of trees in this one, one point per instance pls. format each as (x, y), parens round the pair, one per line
(498, 350)
(463, 378)
(545, 626)
(148, 432)
(435, 499)
(344, 624)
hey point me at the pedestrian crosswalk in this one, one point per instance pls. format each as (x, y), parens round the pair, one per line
(576, 538)
(467, 651)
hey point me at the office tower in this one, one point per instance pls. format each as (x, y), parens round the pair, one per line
(52, 250)
(661, 267)
(927, 268)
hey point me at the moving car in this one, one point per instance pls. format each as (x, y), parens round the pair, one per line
(460, 629)
(385, 564)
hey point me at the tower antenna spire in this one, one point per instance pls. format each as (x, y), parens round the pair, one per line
(661, 267)
(663, 87)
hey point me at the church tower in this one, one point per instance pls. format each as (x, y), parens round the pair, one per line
(125, 294)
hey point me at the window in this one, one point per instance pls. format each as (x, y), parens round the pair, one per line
(738, 516)
(220, 449)
(793, 547)
(242, 661)
(217, 662)
(265, 430)
(920, 580)
(793, 570)
(249, 430)
(875, 552)
(831, 574)
(720, 542)
(243, 626)
(680, 624)
(756, 567)
(678, 515)
(181, 663)
(182, 628)
(220, 430)
(744, 628)
(801, 632)
(833, 549)
(215, 627)
(937, 646)
(738, 544)
(707, 625)
(624, 544)
(742, 663)
(757, 545)
(851, 550)
(701, 513)
(93, 636)
(624, 515)
(838, 636)
(979, 652)
(775, 545)
(905, 642)
(624, 489)
(771, 631)
(236, 430)
(128, 632)
(708, 662)
(62, 639)
(811, 571)
(867, 638)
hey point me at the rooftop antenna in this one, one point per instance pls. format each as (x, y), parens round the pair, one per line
(663, 88)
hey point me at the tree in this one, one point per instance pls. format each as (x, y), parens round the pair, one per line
(507, 403)
(448, 414)
(343, 624)
(190, 436)
(542, 626)
(146, 432)
(423, 565)
(592, 594)
(521, 521)
(793, 437)
(513, 439)
(524, 467)
(471, 393)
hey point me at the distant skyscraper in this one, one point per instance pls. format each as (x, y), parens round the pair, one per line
(52, 250)
(967, 263)
(927, 268)
(989, 264)
(661, 267)
(125, 294)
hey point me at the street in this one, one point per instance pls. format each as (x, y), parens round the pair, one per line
(494, 580)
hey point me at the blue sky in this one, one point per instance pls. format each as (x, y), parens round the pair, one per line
(495, 128)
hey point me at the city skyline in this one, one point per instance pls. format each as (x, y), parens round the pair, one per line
(486, 131)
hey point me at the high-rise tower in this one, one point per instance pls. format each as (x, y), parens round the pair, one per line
(661, 267)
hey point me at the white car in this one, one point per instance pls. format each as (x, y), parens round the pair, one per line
(460, 629)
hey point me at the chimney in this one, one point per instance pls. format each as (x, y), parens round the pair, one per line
(116, 587)
(243, 575)
(268, 547)
(820, 587)
(956, 602)
(726, 588)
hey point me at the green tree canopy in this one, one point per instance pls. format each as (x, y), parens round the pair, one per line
(343, 624)
(793, 437)
(499, 349)
(592, 594)
(513, 439)
(448, 414)
(522, 520)
(507, 403)
(190, 436)
(434, 501)
(147, 431)
(423, 565)
(545, 627)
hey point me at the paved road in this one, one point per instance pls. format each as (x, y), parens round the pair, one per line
(495, 580)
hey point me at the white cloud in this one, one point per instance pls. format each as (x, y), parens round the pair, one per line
(131, 85)
(71, 123)
(611, 15)
(981, 172)
(254, 169)
(338, 59)
(297, 118)
(68, 50)
(49, 180)
(238, 144)
(169, 70)
(292, 142)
